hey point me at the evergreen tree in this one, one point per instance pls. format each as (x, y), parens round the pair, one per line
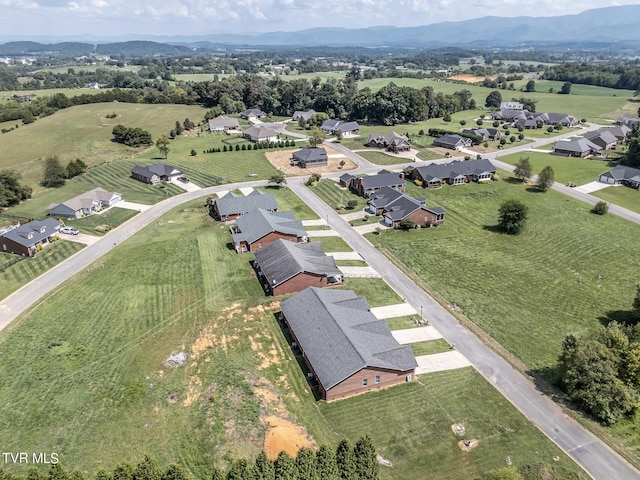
(178, 129)
(54, 173)
(217, 474)
(264, 468)
(58, 472)
(366, 463)
(326, 464)
(512, 216)
(123, 471)
(239, 470)
(306, 464)
(174, 472)
(102, 474)
(345, 460)
(285, 467)
(147, 469)
(78, 475)
(34, 474)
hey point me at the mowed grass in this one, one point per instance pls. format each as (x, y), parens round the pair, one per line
(288, 200)
(381, 158)
(527, 291)
(333, 195)
(624, 197)
(15, 276)
(84, 132)
(430, 347)
(566, 169)
(411, 426)
(331, 244)
(377, 292)
(111, 219)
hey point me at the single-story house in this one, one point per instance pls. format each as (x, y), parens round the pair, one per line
(452, 142)
(526, 123)
(260, 134)
(484, 133)
(28, 238)
(287, 267)
(298, 114)
(155, 173)
(259, 228)
(622, 175)
(369, 184)
(346, 348)
(576, 148)
(85, 204)
(603, 138)
(454, 173)
(310, 157)
(222, 123)
(506, 114)
(332, 127)
(392, 141)
(621, 132)
(396, 206)
(255, 113)
(563, 119)
(232, 206)
(630, 121)
(346, 180)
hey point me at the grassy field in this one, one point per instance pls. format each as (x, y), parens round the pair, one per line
(49, 92)
(15, 276)
(566, 169)
(381, 158)
(176, 286)
(375, 290)
(111, 218)
(333, 195)
(401, 323)
(84, 132)
(622, 196)
(288, 200)
(430, 347)
(331, 244)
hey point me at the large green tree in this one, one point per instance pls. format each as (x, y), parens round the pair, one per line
(11, 191)
(493, 100)
(326, 464)
(316, 137)
(512, 216)
(54, 173)
(163, 145)
(366, 462)
(263, 469)
(285, 467)
(345, 459)
(546, 178)
(278, 178)
(523, 169)
(306, 465)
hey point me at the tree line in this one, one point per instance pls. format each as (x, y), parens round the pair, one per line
(613, 76)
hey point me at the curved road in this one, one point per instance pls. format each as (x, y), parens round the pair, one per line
(586, 449)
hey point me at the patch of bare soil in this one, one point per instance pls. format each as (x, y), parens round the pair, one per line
(458, 429)
(481, 149)
(468, 445)
(284, 435)
(467, 78)
(281, 159)
(443, 151)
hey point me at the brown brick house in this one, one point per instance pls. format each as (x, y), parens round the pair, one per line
(396, 206)
(28, 238)
(260, 228)
(232, 206)
(346, 348)
(369, 184)
(287, 267)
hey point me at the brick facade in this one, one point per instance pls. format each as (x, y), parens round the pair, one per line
(299, 283)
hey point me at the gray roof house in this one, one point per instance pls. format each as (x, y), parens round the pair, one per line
(155, 173)
(332, 126)
(630, 121)
(298, 114)
(507, 114)
(452, 142)
(549, 118)
(85, 204)
(30, 237)
(258, 133)
(287, 267)
(622, 175)
(511, 106)
(619, 131)
(603, 138)
(310, 157)
(252, 113)
(576, 148)
(232, 205)
(454, 173)
(260, 228)
(346, 348)
(222, 123)
(369, 184)
(392, 141)
(484, 133)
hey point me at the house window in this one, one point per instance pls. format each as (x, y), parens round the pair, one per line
(259, 244)
(365, 382)
(377, 379)
(409, 378)
(4, 246)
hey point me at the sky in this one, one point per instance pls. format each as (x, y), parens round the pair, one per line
(136, 18)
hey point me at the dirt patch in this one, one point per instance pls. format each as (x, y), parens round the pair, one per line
(443, 151)
(172, 398)
(458, 429)
(284, 435)
(281, 159)
(467, 78)
(268, 358)
(481, 149)
(468, 445)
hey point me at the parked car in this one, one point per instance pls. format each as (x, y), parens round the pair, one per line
(69, 230)
(183, 179)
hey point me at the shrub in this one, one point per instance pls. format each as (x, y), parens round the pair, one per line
(496, 124)
(417, 182)
(479, 122)
(193, 153)
(463, 122)
(600, 208)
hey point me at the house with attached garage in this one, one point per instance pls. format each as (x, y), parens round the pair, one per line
(253, 113)
(369, 184)
(346, 180)
(484, 133)
(452, 142)
(395, 207)
(332, 127)
(222, 123)
(621, 132)
(260, 228)
(232, 205)
(310, 157)
(391, 141)
(622, 175)
(86, 203)
(604, 138)
(347, 350)
(630, 121)
(454, 173)
(298, 114)
(549, 118)
(576, 148)
(259, 134)
(153, 174)
(27, 239)
(287, 267)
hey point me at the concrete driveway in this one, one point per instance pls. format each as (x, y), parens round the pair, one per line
(344, 255)
(593, 187)
(140, 207)
(359, 272)
(416, 335)
(323, 233)
(439, 362)
(81, 238)
(394, 311)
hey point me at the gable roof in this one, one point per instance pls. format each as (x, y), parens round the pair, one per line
(302, 114)
(603, 134)
(384, 196)
(401, 207)
(388, 138)
(340, 336)
(232, 204)
(283, 260)
(455, 169)
(257, 223)
(253, 111)
(622, 172)
(347, 126)
(347, 177)
(224, 121)
(86, 199)
(159, 169)
(452, 139)
(382, 179)
(578, 146)
(316, 154)
(38, 230)
(258, 131)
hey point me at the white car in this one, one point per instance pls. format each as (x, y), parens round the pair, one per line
(69, 230)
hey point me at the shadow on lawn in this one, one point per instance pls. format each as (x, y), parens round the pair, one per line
(624, 317)
(493, 228)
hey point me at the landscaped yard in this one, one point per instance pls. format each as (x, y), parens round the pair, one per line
(381, 158)
(624, 197)
(430, 347)
(333, 195)
(288, 200)
(101, 223)
(331, 244)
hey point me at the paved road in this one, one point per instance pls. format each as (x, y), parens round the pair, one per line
(585, 448)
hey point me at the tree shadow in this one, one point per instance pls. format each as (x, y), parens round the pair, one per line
(625, 317)
(230, 246)
(534, 190)
(512, 180)
(493, 228)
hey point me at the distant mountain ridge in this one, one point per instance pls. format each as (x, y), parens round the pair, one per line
(601, 25)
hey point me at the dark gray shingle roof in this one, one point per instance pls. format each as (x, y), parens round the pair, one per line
(258, 223)
(311, 155)
(381, 180)
(232, 204)
(37, 229)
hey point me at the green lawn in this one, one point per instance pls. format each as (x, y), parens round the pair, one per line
(18, 274)
(288, 200)
(331, 244)
(333, 195)
(351, 263)
(566, 169)
(430, 347)
(112, 218)
(381, 158)
(401, 323)
(375, 290)
(624, 197)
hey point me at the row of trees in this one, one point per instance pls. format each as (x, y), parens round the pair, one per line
(614, 76)
(632, 157)
(11, 191)
(55, 175)
(131, 136)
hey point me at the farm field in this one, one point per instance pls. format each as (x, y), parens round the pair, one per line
(84, 132)
(566, 169)
(14, 276)
(49, 92)
(104, 371)
(624, 197)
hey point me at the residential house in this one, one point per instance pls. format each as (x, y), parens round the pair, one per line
(260, 134)
(222, 123)
(298, 114)
(369, 184)
(92, 85)
(630, 121)
(452, 142)
(232, 206)
(253, 114)
(259, 228)
(27, 239)
(604, 138)
(310, 157)
(332, 127)
(509, 115)
(526, 123)
(622, 175)
(511, 106)
(563, 119)
(621, 132)
(378, 201)
(454, 173)
(346, 180)
(85, 204)
(484, 133)
(345, 347)
(576, 148)
(287, 267)
(155, 173)
(395, 206)
(392, 141)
